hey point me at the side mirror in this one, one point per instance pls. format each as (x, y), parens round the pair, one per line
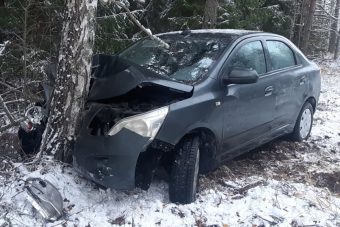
(241, 76)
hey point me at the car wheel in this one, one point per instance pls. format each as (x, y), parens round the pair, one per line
(184, 172)
(303, 125)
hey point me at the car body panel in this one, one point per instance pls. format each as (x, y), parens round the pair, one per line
(200, 111)
(113, 71)
(239, 116)
(108, 160)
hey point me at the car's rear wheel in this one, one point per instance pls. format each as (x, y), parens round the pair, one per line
(303, 125)
(184, 172)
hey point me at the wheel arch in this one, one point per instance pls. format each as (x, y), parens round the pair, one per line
(312, 101)
(208, 147)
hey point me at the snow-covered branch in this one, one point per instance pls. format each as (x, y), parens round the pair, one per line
(3, 47)
(328, 14)
(15, 123)
(134, 12)
(134, 19)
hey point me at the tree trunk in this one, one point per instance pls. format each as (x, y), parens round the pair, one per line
(73, 75)
(210, 14)
(308, 26)
(293, 19)
(334, 28)
(337, 47)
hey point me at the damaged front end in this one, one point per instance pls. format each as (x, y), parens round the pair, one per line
(126, 108)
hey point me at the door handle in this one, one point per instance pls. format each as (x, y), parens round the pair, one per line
(302, 80)
(268, 91)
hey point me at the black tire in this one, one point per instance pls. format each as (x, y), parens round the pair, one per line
(297, 135)
(184, 172)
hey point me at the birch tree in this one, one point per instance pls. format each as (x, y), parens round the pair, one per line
(73, 76)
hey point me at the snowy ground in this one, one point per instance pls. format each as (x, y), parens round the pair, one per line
(282, 183)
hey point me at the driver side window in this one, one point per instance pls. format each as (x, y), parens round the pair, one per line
(249, 56)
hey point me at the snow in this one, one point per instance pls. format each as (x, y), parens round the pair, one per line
(273, 186)
(3, 47)
(221, 31)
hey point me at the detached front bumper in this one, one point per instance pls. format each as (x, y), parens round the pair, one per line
(110, 160)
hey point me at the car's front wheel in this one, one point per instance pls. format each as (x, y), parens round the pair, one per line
(303, 125)
(184, 172)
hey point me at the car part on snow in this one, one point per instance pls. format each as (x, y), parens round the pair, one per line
(184, 171)
(31, 130)
(30, 136)
(44, 197)
(35, 114)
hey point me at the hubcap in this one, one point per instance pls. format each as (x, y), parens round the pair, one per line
(305, 123)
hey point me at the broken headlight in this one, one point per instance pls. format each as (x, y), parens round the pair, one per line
(35, 114)
(146, 124)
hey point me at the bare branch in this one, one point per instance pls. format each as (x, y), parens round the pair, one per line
(15, 123)
(120, 14)
(16, 89)
(133, 18)
(15, 101)
(11, 33)
(8, 113)
(6, 85)
(329, 15)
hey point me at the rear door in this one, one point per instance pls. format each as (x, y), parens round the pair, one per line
(289, 81)
(248, 108)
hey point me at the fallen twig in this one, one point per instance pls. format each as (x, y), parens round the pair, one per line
(250, 186)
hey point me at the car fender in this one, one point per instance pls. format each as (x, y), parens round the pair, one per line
(202, 111)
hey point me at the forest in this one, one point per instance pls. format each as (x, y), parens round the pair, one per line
(47, 49)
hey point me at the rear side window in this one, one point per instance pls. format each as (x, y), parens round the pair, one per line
(280, 54)
(250, 56)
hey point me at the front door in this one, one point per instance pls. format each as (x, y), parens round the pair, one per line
(248, 108)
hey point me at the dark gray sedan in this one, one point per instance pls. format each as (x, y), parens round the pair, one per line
(188, 106)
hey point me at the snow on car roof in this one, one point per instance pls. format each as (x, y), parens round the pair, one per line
(213, 31)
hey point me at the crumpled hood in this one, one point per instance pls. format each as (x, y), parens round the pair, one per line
(114, 77)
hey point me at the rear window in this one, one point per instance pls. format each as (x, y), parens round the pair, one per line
(281, 55)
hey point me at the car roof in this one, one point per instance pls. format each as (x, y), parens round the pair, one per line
(233, 32)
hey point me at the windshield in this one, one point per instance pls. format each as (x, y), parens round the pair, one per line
(188, 59)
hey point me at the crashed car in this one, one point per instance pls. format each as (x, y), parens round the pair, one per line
(188, 107)
(210, 96)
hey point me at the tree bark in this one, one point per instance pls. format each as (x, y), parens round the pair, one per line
(334, 28)
(293, 20)
(308, 26)
(210, 14)
(337, 47)
(73, 76)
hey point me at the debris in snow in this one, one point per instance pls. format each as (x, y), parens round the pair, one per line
(45, 198)
(117, 221)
